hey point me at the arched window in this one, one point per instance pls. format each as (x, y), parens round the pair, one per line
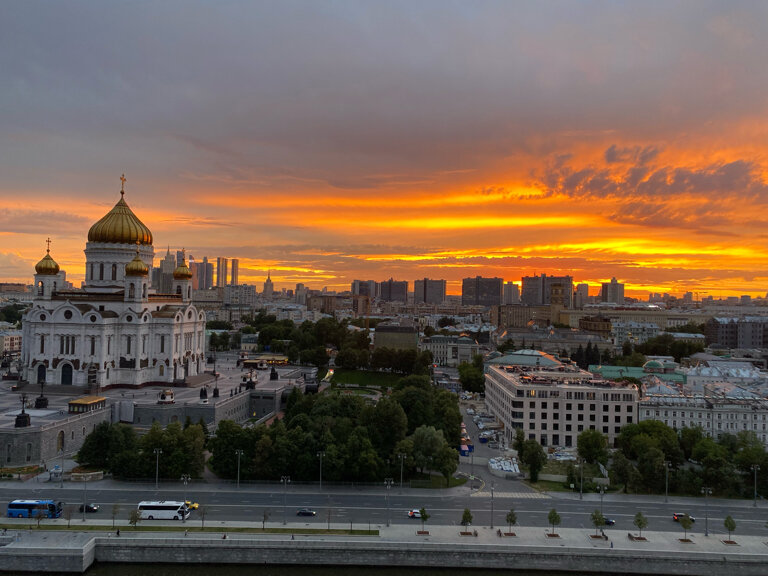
(189, 292)
(144, 291)
(132, 291)
(162, 370)
(40, 290)
(60, 441)
(101, 271)
(114, 271)
(178, 290)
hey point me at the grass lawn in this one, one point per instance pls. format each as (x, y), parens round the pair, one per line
(437, 481)
(365, 378)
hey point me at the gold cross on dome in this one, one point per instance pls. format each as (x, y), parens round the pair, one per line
(122, 186)
(48, 241)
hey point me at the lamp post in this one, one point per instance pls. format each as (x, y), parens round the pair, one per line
(285, 480)
(185, 478)
(61, 477)
(401, 456)
(755, 468)
(238, 453)
(581, 478)
(707, 492)
(602, 492)
(158, 451)
(493, 485)
(666, 480)
(320, 455)
(387, 486)
(85, 494)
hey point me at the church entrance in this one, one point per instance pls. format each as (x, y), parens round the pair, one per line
(66, 374)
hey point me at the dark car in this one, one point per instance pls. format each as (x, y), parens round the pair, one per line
(306, 512)
(677, 515)
(90, 507)
(610, 521)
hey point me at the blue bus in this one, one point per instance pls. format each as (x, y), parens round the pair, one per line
(34, 509)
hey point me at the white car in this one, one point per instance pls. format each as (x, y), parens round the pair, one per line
(415, 513)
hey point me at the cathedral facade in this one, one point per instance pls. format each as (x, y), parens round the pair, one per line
(117, 329)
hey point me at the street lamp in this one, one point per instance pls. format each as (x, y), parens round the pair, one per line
(61, 477)
(158, 451)
(387, 485)
(581, 478)
(602, 491)
(185, 478)
(666, 480)
(238, 453)
(285, 480)
(493, 485)
(85, 495)
(320, 455)
(755, 468)
(707, 492)
(402, 459)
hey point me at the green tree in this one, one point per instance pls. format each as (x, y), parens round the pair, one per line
(424, 517)
(640, 522)
(134, 517)
(466, 518)
(593, 446)
(471, 377)
(554, 519)
(115, 512)
(730, 525)
(534, 457)
(427, 442)
(446, 461)
(598, 520)
(511, 518)
(685, 523)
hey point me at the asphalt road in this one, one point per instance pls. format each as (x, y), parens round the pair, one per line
(370, 505)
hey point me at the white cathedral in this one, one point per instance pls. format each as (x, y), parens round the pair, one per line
(116, 330)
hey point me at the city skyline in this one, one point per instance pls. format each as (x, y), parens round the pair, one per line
(331, 142)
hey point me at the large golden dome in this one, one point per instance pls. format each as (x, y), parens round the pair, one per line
(120, 226)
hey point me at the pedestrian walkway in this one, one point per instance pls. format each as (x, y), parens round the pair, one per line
(516, 495)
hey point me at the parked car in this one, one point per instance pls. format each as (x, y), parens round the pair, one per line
(90, 507)
(677, 515)
(415, 513)
(610, 521)
(305, 512)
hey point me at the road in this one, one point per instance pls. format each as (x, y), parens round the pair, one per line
(373, 505)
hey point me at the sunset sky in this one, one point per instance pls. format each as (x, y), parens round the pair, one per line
(328, 141)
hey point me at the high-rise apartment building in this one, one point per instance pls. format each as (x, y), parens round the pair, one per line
(612, 292)
(537, 290)
(479, 291)
(581, 296)
(428, 291)
(394, 290)
(221, 272)
(364, 288)
(235, 272)
(162, 277)
(204, 272)
(511, 293)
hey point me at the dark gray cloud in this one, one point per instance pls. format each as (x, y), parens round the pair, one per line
(357, 86)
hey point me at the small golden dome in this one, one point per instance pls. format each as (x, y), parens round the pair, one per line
(182, 271)
(136, 267)
(47, 266)
(120, 226)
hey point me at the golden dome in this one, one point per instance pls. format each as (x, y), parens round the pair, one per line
(47, 266)
(120, 226)
(136, 267)
(182, 271)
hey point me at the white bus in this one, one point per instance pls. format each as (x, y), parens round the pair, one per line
(163, 510)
